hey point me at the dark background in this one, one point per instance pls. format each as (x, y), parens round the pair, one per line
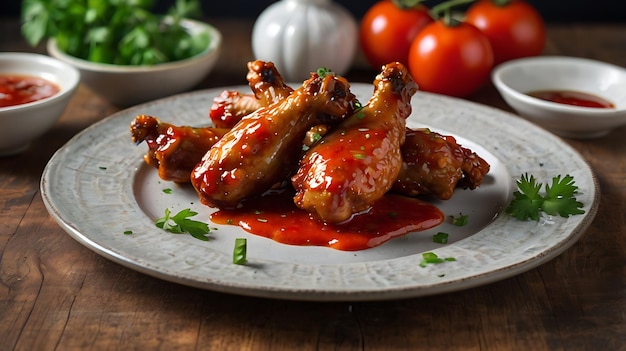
(551, 10)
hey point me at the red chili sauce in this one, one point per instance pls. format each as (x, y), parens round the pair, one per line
(569, 97)
(17, 90)
(275, 216)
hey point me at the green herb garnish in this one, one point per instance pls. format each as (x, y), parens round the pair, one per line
(240, 250)
(114, 31)
(167, 191)
(316, 137)
(440, 238)
(128, 232)
(324, 71)
(180, 223)
(559, 198)
(432, 258)
(460, 220)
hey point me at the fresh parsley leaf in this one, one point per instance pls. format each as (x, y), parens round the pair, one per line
(116, 32)
(559, 198)
(180, 223)
(240, 251)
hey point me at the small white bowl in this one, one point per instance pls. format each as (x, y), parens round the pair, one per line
(515, 79)
(129, 85)
(23, 123)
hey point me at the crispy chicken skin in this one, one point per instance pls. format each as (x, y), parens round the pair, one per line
(267, 87)
(434, 164)
(173, 150)
(357, 162)
(264, 147)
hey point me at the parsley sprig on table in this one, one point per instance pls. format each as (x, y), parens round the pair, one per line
(118, 32)
(559, 198)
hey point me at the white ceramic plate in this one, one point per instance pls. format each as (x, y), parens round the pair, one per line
(97, 187)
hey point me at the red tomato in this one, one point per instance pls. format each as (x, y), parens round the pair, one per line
(453, 60)
(386, 32)
(514, 28)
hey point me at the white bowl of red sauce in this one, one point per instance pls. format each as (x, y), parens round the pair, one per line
(34, 91)
(569, 96)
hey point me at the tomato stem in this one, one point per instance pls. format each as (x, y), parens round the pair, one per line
(501, 3)
(407, 4)
(443, 11)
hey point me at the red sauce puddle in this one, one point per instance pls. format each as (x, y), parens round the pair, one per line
(275, 216)
(575, 98)
(17, 90)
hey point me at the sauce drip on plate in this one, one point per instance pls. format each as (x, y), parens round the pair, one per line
(275, 216)
(17, 89)
(575, 98)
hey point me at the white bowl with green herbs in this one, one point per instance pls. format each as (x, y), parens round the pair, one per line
(126, 85)
(124, 52)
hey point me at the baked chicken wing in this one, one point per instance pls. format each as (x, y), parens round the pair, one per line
(358, 161)
(173, 150)
(264, 147)
(266, 83)
(267, 87)
(230, 106)
(434, 164)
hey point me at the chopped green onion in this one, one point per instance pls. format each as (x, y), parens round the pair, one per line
(240, 250)
(323, 72)
(460, 220)
(316, 137)
(432, 258)
(440, 238)
(167, 191)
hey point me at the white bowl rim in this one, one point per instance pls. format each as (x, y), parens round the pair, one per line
(214, 44)
(499, 70)
(46, 60)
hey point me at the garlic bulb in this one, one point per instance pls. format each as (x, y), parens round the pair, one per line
(300, 36)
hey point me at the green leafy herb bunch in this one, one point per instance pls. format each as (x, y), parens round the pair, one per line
(120, 32)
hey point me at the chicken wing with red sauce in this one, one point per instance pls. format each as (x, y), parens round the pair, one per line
(358, 161)
(264, 147)
(267, 87)
(434, 164)
(173, 150)
(230, 106)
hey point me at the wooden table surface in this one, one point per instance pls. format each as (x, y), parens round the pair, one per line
(57, 294)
